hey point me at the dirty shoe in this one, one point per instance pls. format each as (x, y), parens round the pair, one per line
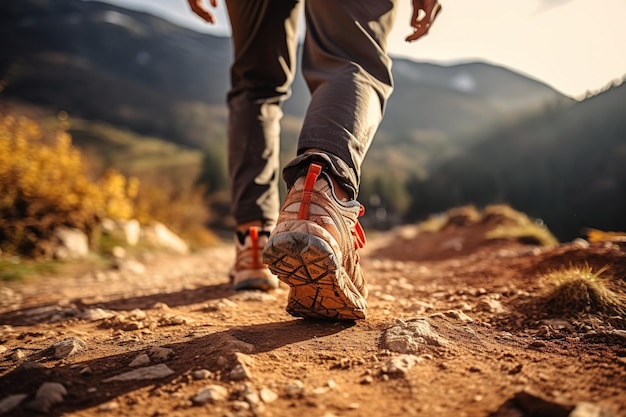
(313, 250)
(249, 272)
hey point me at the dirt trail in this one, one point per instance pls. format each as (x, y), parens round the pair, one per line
(456, 327)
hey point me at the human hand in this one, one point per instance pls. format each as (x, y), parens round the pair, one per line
(198, 7)
(421, 22)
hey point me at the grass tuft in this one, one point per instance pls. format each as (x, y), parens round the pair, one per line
(580, 289)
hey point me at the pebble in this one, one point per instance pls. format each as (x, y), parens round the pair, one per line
(85, 371)
(18, 355)
(9, 403)
(400, 365)
(48, 394)
(412, 337)
(267, 395)
(94, 314)
(160, 354)
(201, 374)
(174, 320)
(294, 388)
(221, 304)
(141, 360)
(367, 380)
(239, 405)
(210, 394)
(130, 265)
(240, 373)
(150, 372)
(30, 365)
(110, 406)
(490, 305)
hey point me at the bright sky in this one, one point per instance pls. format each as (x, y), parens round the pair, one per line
(572, 45)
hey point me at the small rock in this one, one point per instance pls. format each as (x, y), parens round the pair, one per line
(118, 252)
(137, 314)
(174, 321)
(267, 395)
(400, 365)
(85, 371)
(150, 372)
(251, 397)
(130, 265)
(18, 355)
(294, 388)
(68, 347)
(48, 394)
(110, 406)
(94, 314)
(160, 236)
(490, 305)
(241, 369)
(367, 380)
(140, 360)
(584, 409)
(412, 337)
(73, 244)
(201, 374)
(458, 315)
(210, 394)
(160, 354)
(30, 365)
(9, 403)
(239, 405)
(240, 373)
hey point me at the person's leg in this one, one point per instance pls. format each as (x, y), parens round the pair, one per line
(264, 34)
(348, 71)
(313, 247)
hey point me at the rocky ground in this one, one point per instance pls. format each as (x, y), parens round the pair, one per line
(458, 326)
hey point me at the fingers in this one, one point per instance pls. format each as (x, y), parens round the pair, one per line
(421, 25)
(197, 6)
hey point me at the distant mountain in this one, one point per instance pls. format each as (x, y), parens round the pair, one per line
(567, 166)
(99, 61)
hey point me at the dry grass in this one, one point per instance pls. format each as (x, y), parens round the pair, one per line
(516, 225)
(510, 224)
(580, 289)
(529, 233)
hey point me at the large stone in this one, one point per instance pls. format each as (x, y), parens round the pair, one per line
(73, 244)
(412, 337)
(150, 372)
(48, 394)
(129, 231)
(159, 235)
(211, 394)
(9, 403)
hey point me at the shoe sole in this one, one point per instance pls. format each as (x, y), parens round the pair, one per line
(319, 286)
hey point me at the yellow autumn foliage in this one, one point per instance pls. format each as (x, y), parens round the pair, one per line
(43, 185)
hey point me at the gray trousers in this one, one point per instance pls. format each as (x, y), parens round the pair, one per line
(347, 70)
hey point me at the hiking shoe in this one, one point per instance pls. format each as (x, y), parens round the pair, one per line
(249, 272)
(313, 250)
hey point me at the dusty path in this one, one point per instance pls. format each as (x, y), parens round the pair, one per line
(455, 328)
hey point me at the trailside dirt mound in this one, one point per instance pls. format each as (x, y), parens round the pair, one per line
(456, 327)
